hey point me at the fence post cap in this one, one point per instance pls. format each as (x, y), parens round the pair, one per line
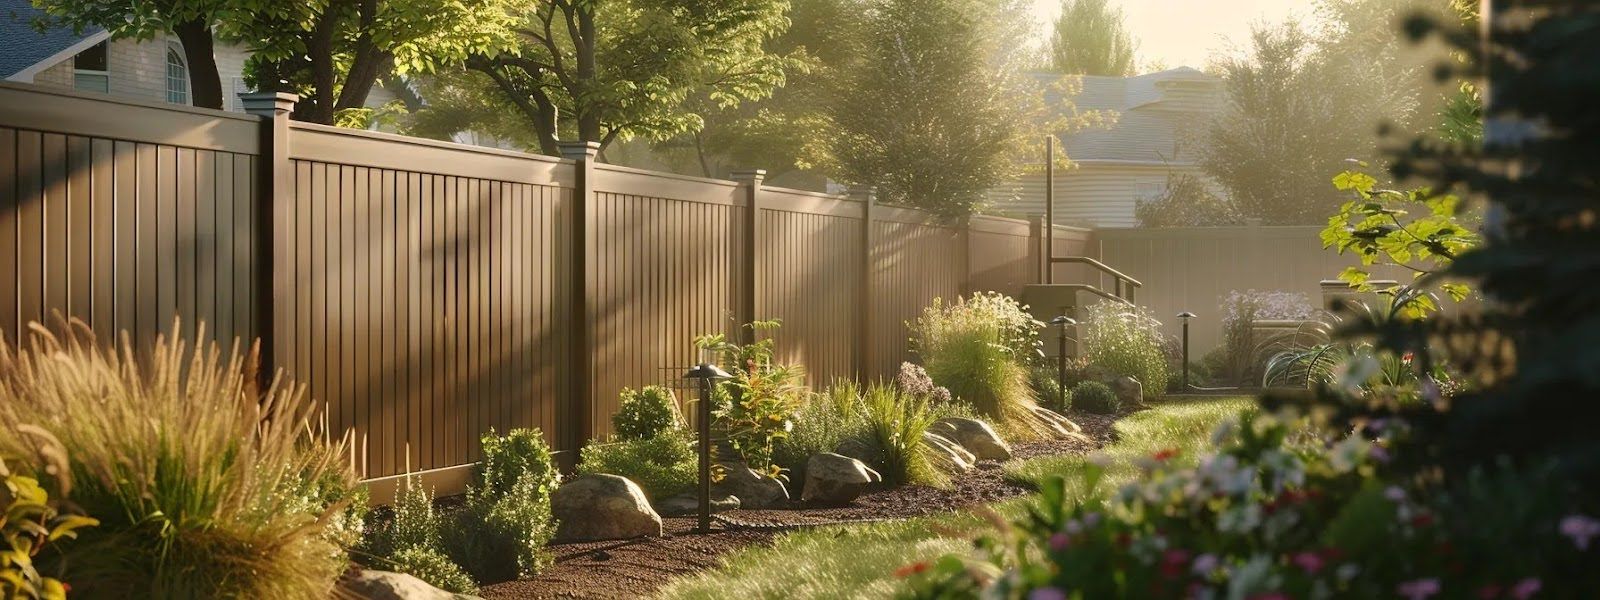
(268, 104)
(579, 150)
(861, 190)
(748, 175)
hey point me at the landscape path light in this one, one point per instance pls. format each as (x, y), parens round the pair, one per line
(1061, 323)
(1186, 315)
(707, 374)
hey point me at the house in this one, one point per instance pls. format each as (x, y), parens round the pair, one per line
(90, 61)
(1157, 118)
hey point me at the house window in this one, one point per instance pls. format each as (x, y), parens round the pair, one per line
(177, 78)
(89, 71)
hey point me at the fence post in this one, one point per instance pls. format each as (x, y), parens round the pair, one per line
(868, 196)
(750, 289)
(274, 195)
(1036, 247)
(966, 255)
(579, 425)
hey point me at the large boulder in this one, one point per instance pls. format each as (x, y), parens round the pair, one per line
(753, 489)
(602, 507)
(1059, 425)
(689, 504)
(385, 585)
(947, 454)
(974, 435)
(834, 479)
(1128, 390)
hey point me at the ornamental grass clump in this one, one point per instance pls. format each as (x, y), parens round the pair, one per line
(895, 422)
(203, 486)
(825, 422)
(1119, 339)
(978, 348)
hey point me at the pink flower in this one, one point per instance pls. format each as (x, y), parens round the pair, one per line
(1059, 542)
(1418, 589)
(1173, 562)
(1048, 593)
(1581, 528)
(1526, 588)
(1270, 596)
(1309, 561)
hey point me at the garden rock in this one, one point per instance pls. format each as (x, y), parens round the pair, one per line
(974, 435)
(1128, 390)
(386, 585)
(1059, 425)
(689, 504)
(834, 480)
(602, 507)
(753, 489)
(949, 454)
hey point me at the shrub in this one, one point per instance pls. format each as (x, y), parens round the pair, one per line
(1126, 340)
(501, 531)
(31, 524)
(644, 414)
(663, 466)
(826, 420)
(1046, 385)
(895, 422)
(203, 487)
(914, 380)
(1095, 397)
(768, 394)
(1244, 355)
(433, 567)
(977, 347)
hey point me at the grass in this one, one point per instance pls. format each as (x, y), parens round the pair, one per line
(859, 561)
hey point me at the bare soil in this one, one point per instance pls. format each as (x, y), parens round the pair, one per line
(636, 568)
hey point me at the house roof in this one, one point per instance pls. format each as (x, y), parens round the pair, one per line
(1155, 115)
(25, 50)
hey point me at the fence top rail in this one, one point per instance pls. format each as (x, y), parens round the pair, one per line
(358, 148)
(424, 142)
(1222, 232)
(70, 112)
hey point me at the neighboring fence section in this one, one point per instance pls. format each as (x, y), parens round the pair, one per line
(428, 291)
(1193, 269)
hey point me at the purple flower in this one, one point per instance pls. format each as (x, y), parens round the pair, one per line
(1395, 494)
(1309, 561)
(1047, 593)
(1526, 588)
(1581, 528)
(1059, 542)
(1418, 589)
(1205, 564)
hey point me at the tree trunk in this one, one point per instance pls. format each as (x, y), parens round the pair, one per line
(589, 122)
(318, 108)
(368, 63)
(205, 86)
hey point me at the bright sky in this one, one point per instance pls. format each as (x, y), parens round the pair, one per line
(1187, 32)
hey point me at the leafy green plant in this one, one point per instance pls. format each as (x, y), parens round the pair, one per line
(1419, 230)
(31, 523)
(1244, 352)
(826, 421)
(1047, 387)
(978, 348)
(664, 465)
(507, 458)
(432, 566)
(1125, 340)
(1095, 397)
(203, 487)
(644, 414)
(756, 407)
(895, 422)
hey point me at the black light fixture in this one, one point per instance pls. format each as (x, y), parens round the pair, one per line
(707, 374)
(1061, 323)
(1186, 315)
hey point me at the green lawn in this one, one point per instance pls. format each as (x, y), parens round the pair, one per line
(859, 561)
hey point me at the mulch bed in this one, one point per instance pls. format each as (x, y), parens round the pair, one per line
(636, 568)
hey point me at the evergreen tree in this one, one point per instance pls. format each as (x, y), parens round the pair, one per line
(1090, 39)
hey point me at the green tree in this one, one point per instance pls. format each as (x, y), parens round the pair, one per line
(935, 113)
(1090, 39)
(592, 71)
(330, 52)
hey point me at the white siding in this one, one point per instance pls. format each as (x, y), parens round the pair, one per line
(1088, 195)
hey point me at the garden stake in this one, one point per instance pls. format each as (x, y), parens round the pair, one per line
(1186, 315)
(706, 373)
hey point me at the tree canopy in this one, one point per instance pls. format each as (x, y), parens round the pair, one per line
(1090, 39)
(606, 71)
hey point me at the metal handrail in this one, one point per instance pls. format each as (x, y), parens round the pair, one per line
(1084, 287)
(1098, 265)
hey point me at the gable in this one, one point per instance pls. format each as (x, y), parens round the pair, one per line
(25, 50)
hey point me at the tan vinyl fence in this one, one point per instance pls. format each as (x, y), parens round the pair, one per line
(1194, 268)
(429, 291)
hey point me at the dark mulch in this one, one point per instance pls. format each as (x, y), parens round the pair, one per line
(635, 568)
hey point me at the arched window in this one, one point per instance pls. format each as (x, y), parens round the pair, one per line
(177, 78)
